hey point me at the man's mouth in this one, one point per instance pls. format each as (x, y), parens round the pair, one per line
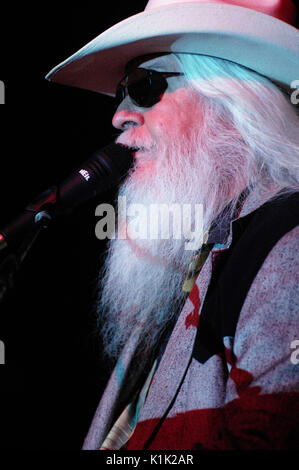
(135, 145)
(138, 149)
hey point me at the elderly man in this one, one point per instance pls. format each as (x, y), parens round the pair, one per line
(205, 341)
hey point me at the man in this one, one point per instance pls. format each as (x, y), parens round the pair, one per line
(204, 340)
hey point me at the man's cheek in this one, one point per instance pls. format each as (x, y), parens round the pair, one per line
(161, 126)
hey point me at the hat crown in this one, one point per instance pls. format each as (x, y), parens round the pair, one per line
(282, 9)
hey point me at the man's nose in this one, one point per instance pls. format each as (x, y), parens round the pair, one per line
(127, 116)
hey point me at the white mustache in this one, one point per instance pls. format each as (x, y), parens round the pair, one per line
(130, 138)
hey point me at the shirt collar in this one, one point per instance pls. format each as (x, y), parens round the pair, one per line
(221, 227)
(220, 233)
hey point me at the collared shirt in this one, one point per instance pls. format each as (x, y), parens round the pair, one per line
(215, 238)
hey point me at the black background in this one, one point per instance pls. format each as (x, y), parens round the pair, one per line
(54, 375)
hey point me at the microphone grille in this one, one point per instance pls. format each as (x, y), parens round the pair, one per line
(116, 157)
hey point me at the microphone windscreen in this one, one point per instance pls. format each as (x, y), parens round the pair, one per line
(103, 170)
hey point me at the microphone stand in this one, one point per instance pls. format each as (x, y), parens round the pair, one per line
(12, 260)
(100, 172)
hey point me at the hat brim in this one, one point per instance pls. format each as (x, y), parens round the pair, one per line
(249, 38)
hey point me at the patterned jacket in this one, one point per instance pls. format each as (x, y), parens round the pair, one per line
(229, 375)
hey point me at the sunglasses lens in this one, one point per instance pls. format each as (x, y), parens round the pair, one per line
(145, 87)
(139, 87)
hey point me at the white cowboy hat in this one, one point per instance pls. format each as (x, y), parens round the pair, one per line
(255, 34)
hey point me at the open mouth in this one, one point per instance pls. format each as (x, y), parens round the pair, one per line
(134, 147)
(137, 149)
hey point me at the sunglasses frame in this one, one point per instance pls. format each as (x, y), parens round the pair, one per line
(153, 76)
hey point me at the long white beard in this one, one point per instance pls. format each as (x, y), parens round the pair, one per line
(142, 280)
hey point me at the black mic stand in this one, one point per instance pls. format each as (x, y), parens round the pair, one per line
(11, 262)
(107, 166)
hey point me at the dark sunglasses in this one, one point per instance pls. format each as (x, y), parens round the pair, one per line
(144, 87)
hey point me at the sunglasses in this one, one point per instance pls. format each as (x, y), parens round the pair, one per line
(144, 87)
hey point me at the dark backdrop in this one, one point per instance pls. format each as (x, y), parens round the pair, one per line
(54, 375)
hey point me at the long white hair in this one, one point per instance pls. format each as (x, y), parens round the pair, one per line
(259, 110)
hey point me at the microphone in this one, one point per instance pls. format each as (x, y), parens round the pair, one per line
(103, 170)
